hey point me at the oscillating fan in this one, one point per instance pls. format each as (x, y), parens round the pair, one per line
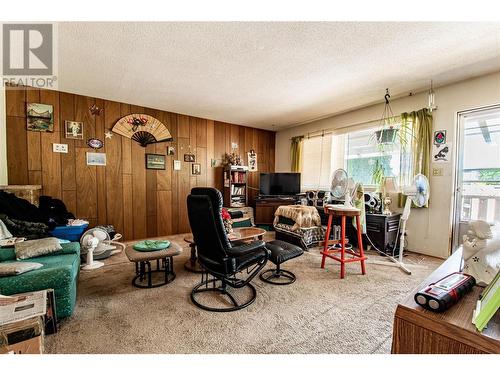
(96, 244)
(343, 188)
(418, 193)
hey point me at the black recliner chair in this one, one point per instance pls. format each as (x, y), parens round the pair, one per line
(222, 261)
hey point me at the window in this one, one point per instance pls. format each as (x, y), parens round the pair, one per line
(316, 162)
(363, 157)
(356, 152)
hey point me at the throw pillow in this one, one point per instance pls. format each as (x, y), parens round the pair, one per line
(241, 223)
(36, 248)
(17, 268)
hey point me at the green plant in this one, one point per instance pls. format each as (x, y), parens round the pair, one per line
(378, 173)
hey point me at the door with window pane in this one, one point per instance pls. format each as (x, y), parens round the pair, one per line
(478, 170)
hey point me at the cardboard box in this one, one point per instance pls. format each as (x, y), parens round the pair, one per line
(30, 346)
(22, 337)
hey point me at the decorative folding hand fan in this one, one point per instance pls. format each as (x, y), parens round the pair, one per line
(143, 129)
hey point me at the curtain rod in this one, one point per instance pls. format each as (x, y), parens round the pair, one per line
(322, 132)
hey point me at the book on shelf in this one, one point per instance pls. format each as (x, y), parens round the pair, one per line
(238, 177)
(238, 190)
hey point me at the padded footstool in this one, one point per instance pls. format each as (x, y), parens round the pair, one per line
(143, 259)
(281, 251)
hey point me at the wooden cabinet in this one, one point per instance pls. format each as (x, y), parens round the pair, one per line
(265, 209)
(29, 192)
(419, 331)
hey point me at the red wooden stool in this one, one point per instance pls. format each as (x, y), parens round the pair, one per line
(343, 212)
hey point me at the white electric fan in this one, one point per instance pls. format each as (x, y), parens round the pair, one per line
(342, 188)
(96, 243)
(417, 193)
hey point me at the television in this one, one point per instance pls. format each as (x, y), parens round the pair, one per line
(279, 183)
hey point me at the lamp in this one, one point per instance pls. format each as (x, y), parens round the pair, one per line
(390, 186)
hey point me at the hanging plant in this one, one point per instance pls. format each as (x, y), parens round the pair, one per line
(391, 131)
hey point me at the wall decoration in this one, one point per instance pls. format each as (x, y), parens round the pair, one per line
(95, 110)
(73, 129)
(108, 134)
(441, 153)
(40, 117)
(252, 161)
(213, 163)
(143, 129)
(190, 158)
(439, 137)
(232, 159)
(170, 150)
(95, 143)
(96, 158)
(155, 161)
(196, 169)
(125, 166)
(177, 165)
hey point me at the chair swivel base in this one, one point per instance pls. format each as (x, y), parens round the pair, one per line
(203, 287)
(278, 277)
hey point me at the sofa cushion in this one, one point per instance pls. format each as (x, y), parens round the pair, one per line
(36, 248)
(59, 272)
(8, 253)
(17, 268)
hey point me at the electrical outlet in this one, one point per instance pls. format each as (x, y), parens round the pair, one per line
(437, 171)
(60, 147)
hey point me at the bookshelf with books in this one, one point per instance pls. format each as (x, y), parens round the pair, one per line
(235, 186)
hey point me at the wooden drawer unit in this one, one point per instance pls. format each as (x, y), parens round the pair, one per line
(265, 209)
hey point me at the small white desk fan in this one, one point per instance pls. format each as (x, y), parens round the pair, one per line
(342, 188)
(96, 243)
(417, 193)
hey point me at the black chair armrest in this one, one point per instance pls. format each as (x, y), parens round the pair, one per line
(246, 248)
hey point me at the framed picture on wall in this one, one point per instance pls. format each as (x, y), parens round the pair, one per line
(96, 158)
(40, 117)
(73, 129)
(190, 158)
(196, 169)
(155, 161)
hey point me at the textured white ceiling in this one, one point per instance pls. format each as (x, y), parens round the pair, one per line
(263, 74)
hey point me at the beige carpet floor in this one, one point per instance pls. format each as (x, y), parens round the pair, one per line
(319, 313)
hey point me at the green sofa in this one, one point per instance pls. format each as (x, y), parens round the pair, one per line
(59, 272)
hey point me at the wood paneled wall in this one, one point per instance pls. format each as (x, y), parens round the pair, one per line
(139, 202)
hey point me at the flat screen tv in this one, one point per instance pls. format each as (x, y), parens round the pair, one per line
(279, 183)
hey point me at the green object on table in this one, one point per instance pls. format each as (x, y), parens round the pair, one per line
(151, 245)
(488, 304)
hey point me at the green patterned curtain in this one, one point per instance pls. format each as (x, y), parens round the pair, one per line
(418, 128)
(423, 143)
(296, 153)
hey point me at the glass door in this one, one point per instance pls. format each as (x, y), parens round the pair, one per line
(478, 170)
